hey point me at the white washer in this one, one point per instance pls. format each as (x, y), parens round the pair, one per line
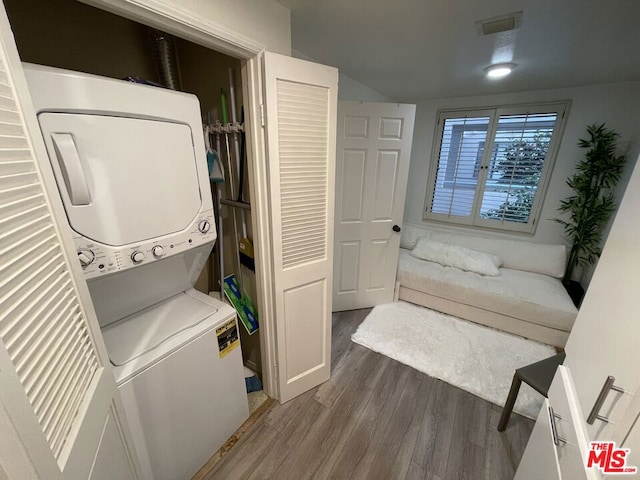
(180, 378)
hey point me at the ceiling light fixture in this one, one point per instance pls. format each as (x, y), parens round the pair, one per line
(499, 70)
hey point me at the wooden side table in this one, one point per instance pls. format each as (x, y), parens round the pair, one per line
(538, 375)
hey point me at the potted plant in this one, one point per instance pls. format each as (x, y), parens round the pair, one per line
(592, 202)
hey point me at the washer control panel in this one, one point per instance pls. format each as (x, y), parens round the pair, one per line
(97, 259)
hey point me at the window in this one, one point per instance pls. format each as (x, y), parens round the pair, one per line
(491, 166)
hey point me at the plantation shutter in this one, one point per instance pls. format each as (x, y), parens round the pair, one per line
(42, 325)
(519, 150)
(493, 164)
(461, 148)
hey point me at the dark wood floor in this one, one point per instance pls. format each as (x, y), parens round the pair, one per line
(377, 419)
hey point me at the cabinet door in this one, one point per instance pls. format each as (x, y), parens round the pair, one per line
(558, 446)
(604, 339)
(540, 459)
(572, 447)
(632, 442)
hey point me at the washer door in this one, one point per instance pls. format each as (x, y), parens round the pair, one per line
(151, 329)
(123, 180)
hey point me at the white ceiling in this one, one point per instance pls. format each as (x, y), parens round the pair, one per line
(416, 49)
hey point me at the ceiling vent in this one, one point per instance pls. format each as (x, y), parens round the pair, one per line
(503, 23)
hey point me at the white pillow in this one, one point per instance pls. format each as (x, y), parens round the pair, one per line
(463, 258)
(410, 235)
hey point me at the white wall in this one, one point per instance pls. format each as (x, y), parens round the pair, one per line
(352, 90)
(264, 21)
(348, 88)
(616, 104)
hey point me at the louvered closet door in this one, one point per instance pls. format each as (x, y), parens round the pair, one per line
(301, 100)
(53, 381)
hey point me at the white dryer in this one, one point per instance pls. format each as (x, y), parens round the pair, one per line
(130, 165)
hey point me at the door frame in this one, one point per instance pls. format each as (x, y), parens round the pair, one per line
(216, 36)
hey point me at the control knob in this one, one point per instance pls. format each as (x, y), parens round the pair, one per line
(137, 257)
(204, 226)
(157, 251)
(86, 257)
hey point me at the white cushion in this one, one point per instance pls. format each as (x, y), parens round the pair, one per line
(547, 259)
(409, 235)
(531, 297)
(451, 255)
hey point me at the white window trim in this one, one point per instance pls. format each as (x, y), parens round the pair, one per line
(474, 220)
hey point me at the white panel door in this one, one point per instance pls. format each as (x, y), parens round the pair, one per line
(56, 385)
(300, 100)
(372, 167)
(604, 340)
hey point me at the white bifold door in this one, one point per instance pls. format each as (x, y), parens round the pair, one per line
(60, 412)
(372, 167)
(300, 104)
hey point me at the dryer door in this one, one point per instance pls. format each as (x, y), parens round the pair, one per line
(123, 180)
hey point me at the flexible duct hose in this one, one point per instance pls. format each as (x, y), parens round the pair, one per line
(165, 58)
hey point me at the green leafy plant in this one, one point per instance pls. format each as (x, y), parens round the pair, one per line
(592, 203)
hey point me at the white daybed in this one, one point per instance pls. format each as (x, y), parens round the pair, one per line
(527, 298)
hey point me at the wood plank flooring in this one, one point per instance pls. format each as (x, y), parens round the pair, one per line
(377, 419)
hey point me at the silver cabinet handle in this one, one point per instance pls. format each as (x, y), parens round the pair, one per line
(557, 439)
(554, 427)
(595, 411)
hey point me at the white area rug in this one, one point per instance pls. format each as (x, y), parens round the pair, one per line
(477, 359)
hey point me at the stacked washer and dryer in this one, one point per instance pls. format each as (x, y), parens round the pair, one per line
(130, 166)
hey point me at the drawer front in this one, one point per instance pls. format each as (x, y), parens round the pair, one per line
(572, 441)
